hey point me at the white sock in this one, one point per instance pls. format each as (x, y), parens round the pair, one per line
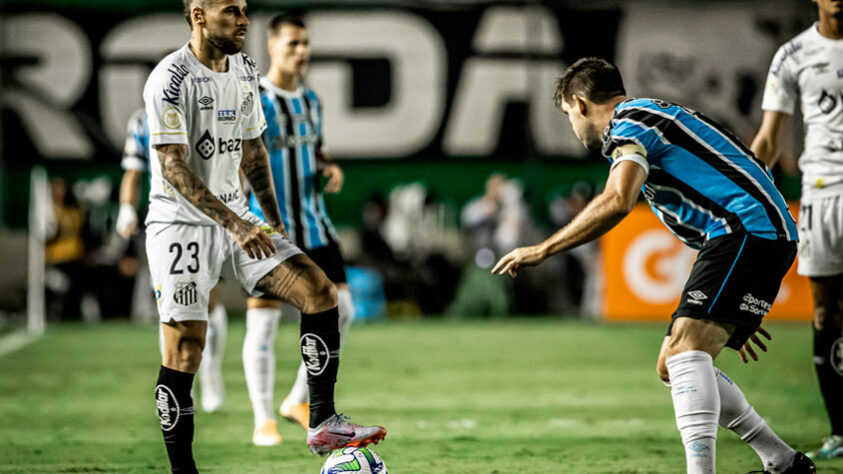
(696, 402)
(259, 360)
(211, 385)
(738, 415)
(299, 392)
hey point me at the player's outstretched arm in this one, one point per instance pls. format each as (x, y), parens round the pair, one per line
(605, 211)
(127, 218)
(255, 167)
(175, 170)
(767, 143)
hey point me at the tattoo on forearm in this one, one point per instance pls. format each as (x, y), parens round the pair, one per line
(175, 170)
(255, 167)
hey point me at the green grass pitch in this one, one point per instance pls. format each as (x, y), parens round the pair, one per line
(524, 396)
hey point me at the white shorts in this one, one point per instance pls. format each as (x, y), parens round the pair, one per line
(186, 260)
(821, 235)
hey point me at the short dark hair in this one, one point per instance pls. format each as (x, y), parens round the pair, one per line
(286, 18)
(188, 6)
(595, 79)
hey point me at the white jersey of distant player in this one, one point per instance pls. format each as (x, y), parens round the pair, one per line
(210, 112)
(809, 68)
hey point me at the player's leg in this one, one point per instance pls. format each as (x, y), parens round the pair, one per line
(212, 386)
(262, 316)
(183, 344)
(304, 285)
(828, 358)
(686, 362)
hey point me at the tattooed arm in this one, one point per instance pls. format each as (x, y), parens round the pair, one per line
(255, 167)
(175, 170)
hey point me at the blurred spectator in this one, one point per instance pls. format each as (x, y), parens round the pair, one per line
(65, 254)
(575, 273)
(496, 222)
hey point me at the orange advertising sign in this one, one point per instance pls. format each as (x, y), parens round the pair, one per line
(645, 269)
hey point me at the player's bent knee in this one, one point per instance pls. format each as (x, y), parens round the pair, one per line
(322, 296)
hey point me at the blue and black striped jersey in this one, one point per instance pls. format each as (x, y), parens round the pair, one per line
(136, 148)
(702, 182)
(293, 138)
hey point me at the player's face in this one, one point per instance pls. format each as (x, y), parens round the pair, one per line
(290, 49)
(586, 132)
(831, 7)
(226, 25)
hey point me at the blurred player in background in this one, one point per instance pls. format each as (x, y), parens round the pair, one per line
(205, 123)
(135, 164)
(297, 157)
(809, 69)
(713, 195)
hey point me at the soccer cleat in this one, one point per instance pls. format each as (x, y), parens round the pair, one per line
(801, 464)
(267, 435)
(296, 412)
(338, 432)
(832, 448)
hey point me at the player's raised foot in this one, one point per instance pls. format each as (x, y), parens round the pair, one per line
(298, 413)
(801, 464)
(832, 448)
(338, 432)
(267, 435)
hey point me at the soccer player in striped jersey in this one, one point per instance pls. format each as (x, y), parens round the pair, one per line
(714, 195)
(809, 69)
(135, 164)
(298, 159)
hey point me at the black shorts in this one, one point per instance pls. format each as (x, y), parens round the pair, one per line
(735, 280)
(329, 259)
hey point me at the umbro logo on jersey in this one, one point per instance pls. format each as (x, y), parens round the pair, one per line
(205, 146)
(696, 297)
(186, 293)
(206, 102)
(820, 68)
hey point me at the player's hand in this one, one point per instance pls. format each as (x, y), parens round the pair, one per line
(253, 240)
(747, 348)
(521, 257)
(127, 221)
(335, 178)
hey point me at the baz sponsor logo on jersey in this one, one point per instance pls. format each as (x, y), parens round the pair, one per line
(206, 102)
(205, 146)
(755, 305)
(177, 74)
(314, 353)
(227, 117)
(246, 106)
(186, 293)
(696, 297)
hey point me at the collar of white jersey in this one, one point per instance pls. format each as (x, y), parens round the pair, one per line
(205, 69)
(268, 85)
(815, 30)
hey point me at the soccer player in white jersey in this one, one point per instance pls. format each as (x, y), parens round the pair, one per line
(297, 158)
(135, 164)
(809, 69)
(205, 124)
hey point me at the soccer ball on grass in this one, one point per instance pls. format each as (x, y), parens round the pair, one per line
(354, 460)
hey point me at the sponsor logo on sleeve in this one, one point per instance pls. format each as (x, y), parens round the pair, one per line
(177, 74)
(205, 146)
(171, 118)
(755, 305)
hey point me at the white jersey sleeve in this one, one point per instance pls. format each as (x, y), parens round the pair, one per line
(251, 109)
(782, 91)
(165, 108)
